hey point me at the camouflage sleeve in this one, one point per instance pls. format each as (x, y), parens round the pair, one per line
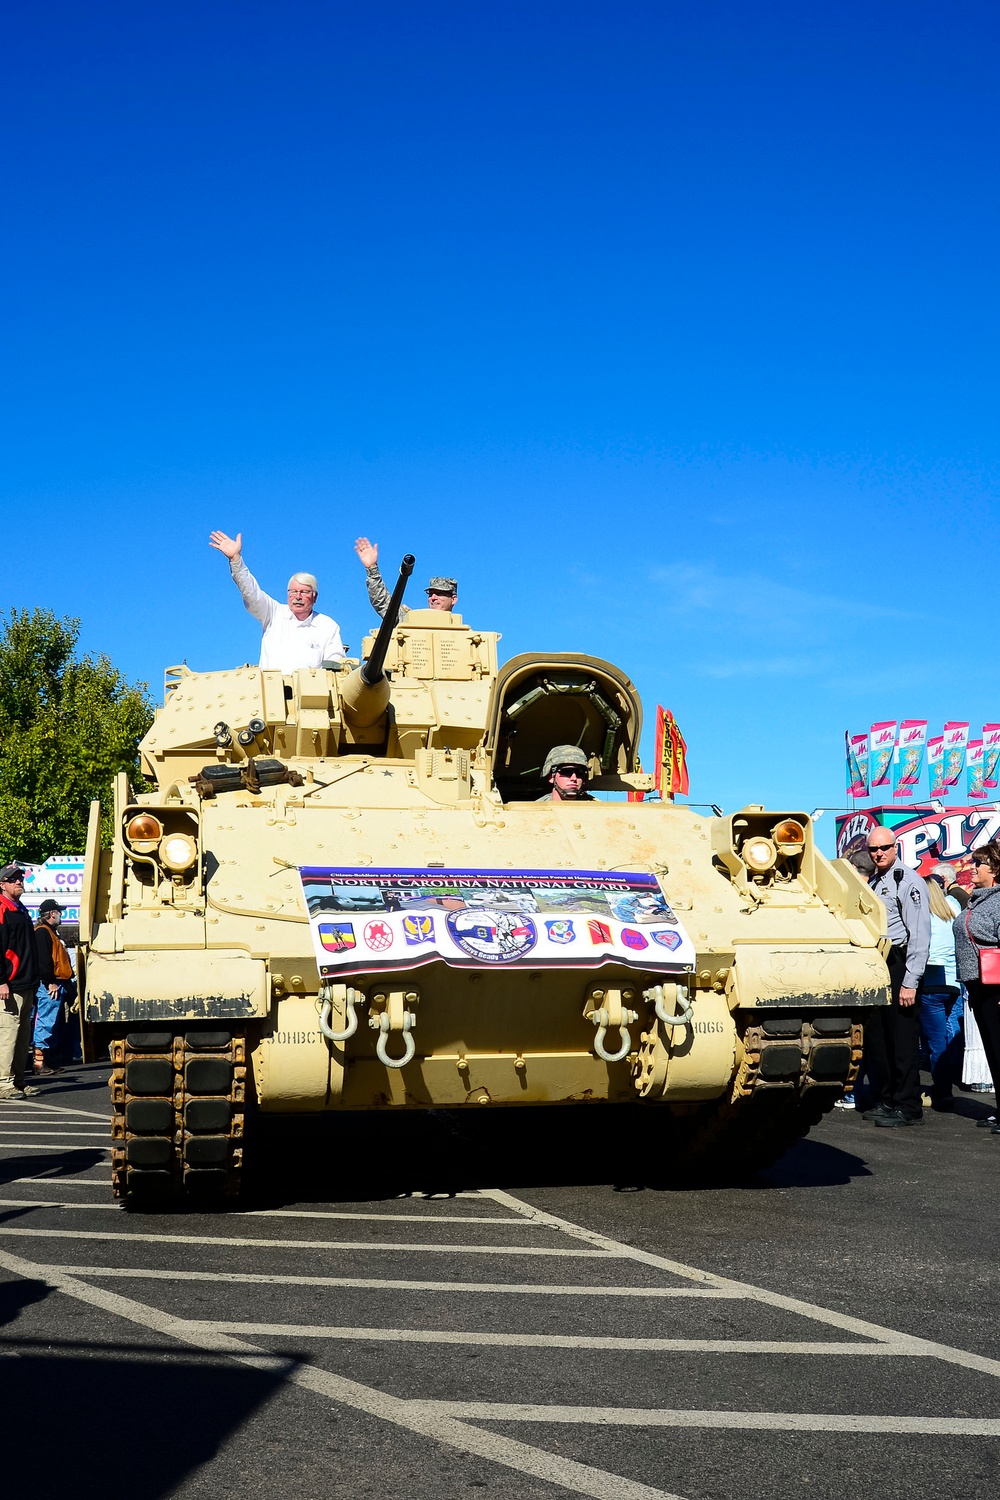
(378, 594)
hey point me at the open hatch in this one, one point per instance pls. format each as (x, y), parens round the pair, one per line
(563, 699)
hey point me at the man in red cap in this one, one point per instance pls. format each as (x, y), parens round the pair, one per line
(18, 982)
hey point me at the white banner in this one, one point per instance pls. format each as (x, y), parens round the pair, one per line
(378, 920)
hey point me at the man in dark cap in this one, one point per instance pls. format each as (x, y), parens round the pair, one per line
(566, 770)
(442, 593)
(18, 982)
(55, 978)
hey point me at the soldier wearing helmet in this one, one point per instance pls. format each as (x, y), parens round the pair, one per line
(566, 770)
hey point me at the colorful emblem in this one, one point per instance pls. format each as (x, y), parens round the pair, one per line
(337, 937)
(495, 937)
(600, 932)
(560, 932)
(418, 929)
(667, 939)
(633, 939)
(378, 936)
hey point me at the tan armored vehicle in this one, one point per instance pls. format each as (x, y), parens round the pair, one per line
(344, 895)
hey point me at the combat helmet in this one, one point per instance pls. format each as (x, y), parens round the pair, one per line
(564, 755)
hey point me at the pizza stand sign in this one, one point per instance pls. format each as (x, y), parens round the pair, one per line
(379, 920)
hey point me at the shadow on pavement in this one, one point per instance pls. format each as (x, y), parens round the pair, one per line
(54, 1163)
(355, 1158)
(125, 1422)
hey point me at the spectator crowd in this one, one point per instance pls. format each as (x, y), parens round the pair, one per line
(944, 978)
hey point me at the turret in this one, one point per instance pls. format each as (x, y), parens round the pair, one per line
(364, 696)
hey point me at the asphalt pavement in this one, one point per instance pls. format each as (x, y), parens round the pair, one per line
(477, 1303)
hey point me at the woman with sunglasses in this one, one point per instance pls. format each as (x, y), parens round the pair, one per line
(976, 929)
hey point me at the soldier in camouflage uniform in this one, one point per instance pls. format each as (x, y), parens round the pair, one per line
(441, 592)
(566, 770)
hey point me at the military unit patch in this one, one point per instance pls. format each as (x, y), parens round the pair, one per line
(560, 931)
(418, 929)
(337, 937)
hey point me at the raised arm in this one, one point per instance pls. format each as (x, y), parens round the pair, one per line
(378, 594)
(259, 604)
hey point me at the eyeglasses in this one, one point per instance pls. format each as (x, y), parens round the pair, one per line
(15, 880)
(880, 848)
(577, 771)
(439, 594)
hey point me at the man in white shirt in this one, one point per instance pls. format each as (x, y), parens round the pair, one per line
(294, 634)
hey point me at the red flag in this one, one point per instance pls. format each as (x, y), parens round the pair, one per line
(670, 755)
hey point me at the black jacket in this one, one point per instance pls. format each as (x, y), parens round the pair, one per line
(18, 952)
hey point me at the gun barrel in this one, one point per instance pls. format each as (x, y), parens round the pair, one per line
(371, 670)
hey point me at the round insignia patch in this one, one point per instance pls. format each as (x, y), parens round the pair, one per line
(378, 936)
(493, 937)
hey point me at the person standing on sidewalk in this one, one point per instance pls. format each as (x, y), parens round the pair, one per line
(941, 998)
(892, 1038)
(55, 979)
(18, 982)
(979, 927)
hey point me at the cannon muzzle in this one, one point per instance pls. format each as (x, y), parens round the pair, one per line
(365, 694)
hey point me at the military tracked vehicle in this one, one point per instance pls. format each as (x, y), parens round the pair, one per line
(344, 894)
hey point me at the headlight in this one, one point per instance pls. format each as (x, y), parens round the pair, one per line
(144, 832)
(178, 853)
(758, 854)
(789, 836)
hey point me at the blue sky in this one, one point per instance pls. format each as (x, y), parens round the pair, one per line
(671, 330)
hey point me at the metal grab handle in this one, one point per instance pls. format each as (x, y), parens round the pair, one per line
(353, 998)
(409, 1046)
(683, 1017)
(602, 1021)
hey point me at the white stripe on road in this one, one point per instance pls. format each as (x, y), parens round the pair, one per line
(409, 1415)
(547, 1340)
(74, 1208)
(51, 1146)
(356, 1245)
(43, 1179)
(843, 1321)
(768, 1421)
(271, 1213)
(89, 1135)
(23, 1107)
(380, 1284)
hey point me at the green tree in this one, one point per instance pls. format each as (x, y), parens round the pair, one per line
(68, 723)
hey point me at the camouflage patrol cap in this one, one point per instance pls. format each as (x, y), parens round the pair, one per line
(442, 586)
(564, 755)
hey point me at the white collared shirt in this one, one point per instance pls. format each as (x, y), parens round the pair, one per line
(287, 643)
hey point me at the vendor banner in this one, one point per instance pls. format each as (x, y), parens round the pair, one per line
(883, 742)
(956, 737)
(991, 754)
(908, 758)
(935, 763)
(377, 920)
(974, 770)
(857, 765)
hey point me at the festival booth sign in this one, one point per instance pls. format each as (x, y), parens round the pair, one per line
(380, 920)
(61, 878)
(926, 837)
